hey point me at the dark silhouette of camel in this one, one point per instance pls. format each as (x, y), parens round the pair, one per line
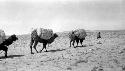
(7, 42)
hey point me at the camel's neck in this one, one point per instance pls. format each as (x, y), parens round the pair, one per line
(51, 39)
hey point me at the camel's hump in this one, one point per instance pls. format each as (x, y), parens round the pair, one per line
(44, 33)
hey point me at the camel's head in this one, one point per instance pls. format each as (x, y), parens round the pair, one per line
(55, 35)
(14, 37)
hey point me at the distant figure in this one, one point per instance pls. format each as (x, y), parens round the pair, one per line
(98, 36)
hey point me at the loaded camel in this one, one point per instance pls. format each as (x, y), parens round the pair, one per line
(4, 45)
(77, 35)
(45, 36)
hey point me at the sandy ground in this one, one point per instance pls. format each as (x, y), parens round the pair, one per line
(107, 56)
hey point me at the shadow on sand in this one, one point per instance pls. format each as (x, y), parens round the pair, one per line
(56, 50)
(80, 46)
(11, 56)
(99, 43)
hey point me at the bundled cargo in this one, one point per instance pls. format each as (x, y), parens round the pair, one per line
(2, 36)
(80, 33)
(44, 33)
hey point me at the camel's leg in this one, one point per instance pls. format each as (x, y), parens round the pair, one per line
(77, 41)
(81, 40)
(31, 43)
(70, 42)
(73, 43)
(44, 46)
(42, 49)
(35, 44)
(6, 49)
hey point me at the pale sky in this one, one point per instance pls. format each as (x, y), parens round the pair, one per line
(19, 16)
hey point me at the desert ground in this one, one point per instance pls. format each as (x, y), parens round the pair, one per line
(109, 55)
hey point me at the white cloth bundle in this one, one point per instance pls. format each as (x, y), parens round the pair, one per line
(44, 33)
(2, 36)
(81, 33)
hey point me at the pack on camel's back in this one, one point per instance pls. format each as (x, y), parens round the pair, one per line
(45, 36)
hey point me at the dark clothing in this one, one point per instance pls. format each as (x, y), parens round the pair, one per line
(98, 35)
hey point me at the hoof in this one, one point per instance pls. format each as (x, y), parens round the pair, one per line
(5, 55)
(75, 46)
(32, 53)
(99, 43)
(40, 51)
